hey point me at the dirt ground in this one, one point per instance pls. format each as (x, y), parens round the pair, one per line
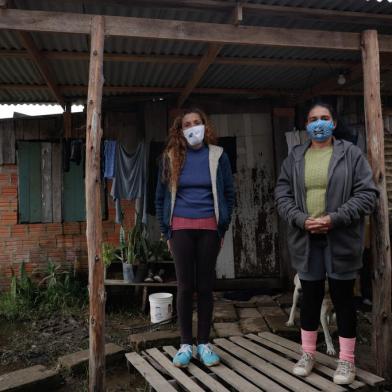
(42, 341)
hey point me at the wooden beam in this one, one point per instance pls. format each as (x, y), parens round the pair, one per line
(159, 90)
(41, 64)
(380, 239)
(97, 294)
(173, 59)
(186, 31)
(313, 14)
(253, 9)
(82, 90)
(199, 72)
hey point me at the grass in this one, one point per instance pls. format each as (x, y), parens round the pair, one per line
(57, 291)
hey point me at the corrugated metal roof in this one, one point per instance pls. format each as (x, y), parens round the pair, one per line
(21, 71)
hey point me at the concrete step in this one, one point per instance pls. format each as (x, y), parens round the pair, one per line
(32, 379)
(77, 362)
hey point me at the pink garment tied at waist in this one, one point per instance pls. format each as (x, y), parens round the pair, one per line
(180, 223)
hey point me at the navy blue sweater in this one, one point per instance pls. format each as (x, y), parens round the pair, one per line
(194, 194)
(225, 198)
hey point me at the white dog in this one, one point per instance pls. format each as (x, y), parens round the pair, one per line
(325, 316)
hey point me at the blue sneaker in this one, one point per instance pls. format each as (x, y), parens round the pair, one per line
(183, 356)
(207, 355)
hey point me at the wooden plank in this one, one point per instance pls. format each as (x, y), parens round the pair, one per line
(157, 381)
(256, 9)
(93, 209)
(263, 366)
(23, 178)
(29, 157)
(285, 364)
(74, 203)
(57, 181)
(178, 374)
(46, 177)
(41, 64)
(320, 382)
(252, 375)
(174, 59)
(297, 355)
(46, 21)
(363, 375)
(199, 374)
(233, 379)
(116, 282)
(207, 59)
(380, 241)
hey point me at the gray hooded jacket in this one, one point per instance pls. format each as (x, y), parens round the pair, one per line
(350, 195)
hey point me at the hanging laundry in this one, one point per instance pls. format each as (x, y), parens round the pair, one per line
(129, 180)
(110, 155)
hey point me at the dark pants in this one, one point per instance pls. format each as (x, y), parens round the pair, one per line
(341, 289)
(195, 253)
(342, 295)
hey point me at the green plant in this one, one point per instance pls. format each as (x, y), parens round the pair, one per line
(108, 254)
(134, 245)
(159, 250)
(57, 290)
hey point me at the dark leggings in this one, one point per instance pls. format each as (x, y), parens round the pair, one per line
(342, 295)
(195, 253)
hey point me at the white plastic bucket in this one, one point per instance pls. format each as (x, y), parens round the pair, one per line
(161, 305)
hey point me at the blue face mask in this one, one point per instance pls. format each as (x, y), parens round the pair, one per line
(320, 130)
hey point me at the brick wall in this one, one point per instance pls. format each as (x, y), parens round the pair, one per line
(38, 243)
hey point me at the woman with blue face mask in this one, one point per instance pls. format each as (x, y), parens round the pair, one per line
(324, 191)
(194, 202)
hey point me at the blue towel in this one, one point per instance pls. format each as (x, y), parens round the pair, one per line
(110, 155)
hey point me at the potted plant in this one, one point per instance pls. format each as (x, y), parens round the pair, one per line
(126, 256)
(139, 240)
(159, 251)
(108, 255)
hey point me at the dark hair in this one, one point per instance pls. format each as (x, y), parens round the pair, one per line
(324, 105)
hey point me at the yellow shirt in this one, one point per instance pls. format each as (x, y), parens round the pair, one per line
(316, 179)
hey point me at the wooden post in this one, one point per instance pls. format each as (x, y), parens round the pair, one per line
(381, 253)
(93, 209)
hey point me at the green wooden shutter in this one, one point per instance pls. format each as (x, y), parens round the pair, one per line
(29, 166)
(74, 200)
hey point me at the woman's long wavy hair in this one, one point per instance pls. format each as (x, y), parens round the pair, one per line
(175, 150)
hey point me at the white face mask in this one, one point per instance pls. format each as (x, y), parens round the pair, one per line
(194, 135)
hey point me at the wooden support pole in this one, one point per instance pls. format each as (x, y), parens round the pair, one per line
(381, 252)
(93, 209)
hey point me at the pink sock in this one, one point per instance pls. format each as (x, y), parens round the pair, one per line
(347, 347)
(309, 339)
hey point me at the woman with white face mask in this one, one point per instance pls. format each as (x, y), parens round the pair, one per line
(194, 203)
(324, 191)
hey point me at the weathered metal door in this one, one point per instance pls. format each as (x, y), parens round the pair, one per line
(253, 243)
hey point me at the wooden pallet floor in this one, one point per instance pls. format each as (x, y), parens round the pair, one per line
(250, 363)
